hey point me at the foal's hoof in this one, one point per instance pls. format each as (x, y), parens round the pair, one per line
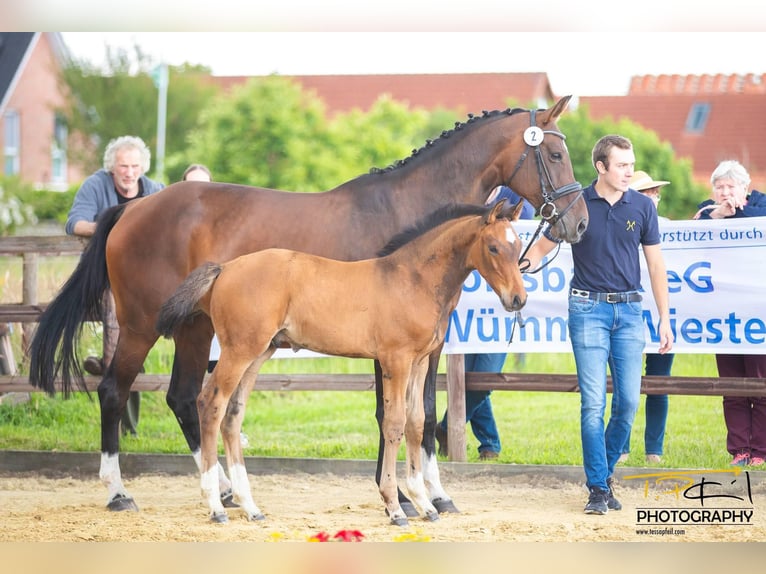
(254, 517)
(400, 521)
(219, 517)
(121, 502)
(445, 505)
(227, 499)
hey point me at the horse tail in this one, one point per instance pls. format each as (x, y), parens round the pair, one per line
(183, 303)
(53, 349)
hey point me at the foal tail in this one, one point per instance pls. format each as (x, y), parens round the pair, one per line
(183, 303)
(53, 349)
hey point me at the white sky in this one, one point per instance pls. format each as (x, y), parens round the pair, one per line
(578, 63)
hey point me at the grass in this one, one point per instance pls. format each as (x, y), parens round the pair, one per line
(535, 427)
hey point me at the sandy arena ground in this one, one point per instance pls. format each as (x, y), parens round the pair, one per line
(527, 508)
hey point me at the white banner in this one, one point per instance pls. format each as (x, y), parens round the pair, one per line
(717, 298)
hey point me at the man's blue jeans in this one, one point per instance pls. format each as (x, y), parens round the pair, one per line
(597, 330)
(478, 406)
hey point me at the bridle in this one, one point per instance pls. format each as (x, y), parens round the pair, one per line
(533, 137)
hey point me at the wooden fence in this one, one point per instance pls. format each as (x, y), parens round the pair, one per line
(455, 381)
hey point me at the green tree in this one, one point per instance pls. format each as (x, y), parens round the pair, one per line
(679, 199)
(120, 98)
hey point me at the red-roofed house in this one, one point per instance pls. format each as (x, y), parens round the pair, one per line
(708, 118)
(464, 93)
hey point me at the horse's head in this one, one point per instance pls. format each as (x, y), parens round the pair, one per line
(537, 166)
(497, 259)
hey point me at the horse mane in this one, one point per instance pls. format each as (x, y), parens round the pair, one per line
(434, 219)
(472, 119)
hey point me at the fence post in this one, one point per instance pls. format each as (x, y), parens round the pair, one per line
(28, 295)
(456, 448)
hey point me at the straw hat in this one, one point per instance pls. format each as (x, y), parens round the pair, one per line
(642, 181)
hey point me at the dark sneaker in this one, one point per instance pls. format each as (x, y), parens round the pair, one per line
(488, 455)
(441, 438)
(611, 501)
(597, 501)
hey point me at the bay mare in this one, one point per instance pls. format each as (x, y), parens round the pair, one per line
(143, 250)
(394, 309)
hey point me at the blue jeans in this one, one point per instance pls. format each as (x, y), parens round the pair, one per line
(656, 406)
(478, 407)
(600, 331)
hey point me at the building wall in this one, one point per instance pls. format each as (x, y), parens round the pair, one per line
(36, 97)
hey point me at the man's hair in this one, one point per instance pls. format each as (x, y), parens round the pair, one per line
(123, 142)
(604, 146)
(731, 169)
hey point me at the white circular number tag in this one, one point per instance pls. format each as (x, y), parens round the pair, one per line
(533, 136)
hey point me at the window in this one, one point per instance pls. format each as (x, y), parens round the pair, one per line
(12, 139)
(697, 118)
(58, 153)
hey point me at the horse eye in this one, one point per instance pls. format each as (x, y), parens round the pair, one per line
(493, 249)
(556, 156)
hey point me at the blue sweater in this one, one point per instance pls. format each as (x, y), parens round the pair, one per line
(97, 193)
(755, 207)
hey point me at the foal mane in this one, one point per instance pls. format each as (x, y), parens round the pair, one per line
(432, 220)
(472, 119)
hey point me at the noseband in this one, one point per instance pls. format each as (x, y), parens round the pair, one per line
(533, 136)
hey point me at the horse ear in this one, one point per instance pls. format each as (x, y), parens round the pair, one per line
(551, 114)
(516, 214)
(493, 213)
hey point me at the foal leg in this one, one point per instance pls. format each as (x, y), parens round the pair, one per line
(439, 497)
(405, 503)
(231, 428)
(395, 376)
(192, 343)
(413, 432)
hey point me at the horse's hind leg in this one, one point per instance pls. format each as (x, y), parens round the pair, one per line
(192, 343)
(407, 506)
(113, 394)
(439, 497)
(231, 427)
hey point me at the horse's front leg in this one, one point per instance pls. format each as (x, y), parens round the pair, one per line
(439, 497)
(407, 505)
(396, 373)
(192, 344)
(413, 432)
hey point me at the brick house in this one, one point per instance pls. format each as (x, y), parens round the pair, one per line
(708, 118)
(34, 136)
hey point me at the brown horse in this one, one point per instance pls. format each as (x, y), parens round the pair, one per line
(143, 250)
(394, 309)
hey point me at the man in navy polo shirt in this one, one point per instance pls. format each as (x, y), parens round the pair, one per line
(605, 312)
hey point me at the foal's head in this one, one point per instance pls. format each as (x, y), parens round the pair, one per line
(496, 255)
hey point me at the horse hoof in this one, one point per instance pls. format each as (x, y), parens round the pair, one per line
(254, 517)
(409, 509)
(443, 506)
(121, 502)
(219, 517)
(400, 521)
(432, 516)
(227, 499)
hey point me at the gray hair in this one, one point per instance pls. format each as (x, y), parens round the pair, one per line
(123, 142)
(731, 169)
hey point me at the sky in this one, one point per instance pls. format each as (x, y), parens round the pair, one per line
(578, 63)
